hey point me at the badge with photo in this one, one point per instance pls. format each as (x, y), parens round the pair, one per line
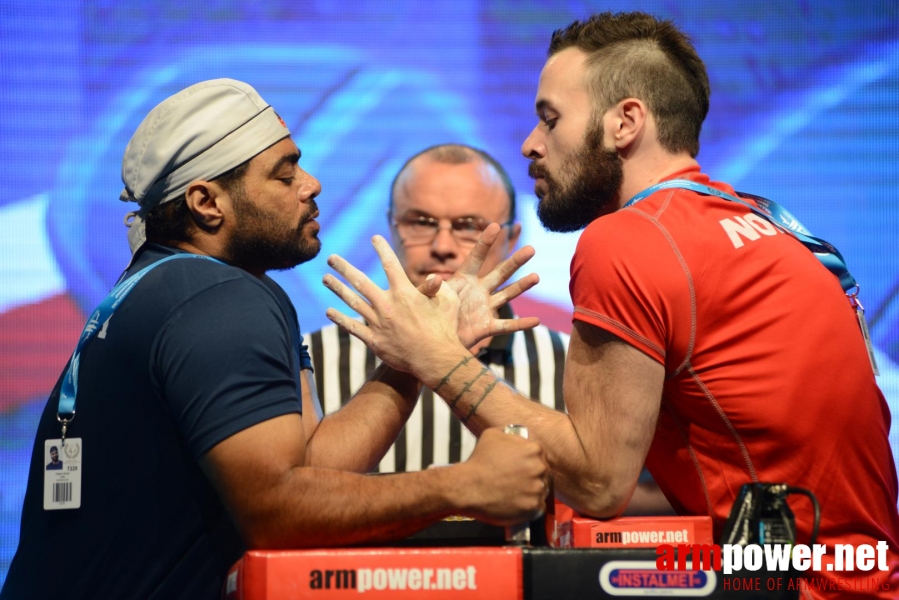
(62, 474)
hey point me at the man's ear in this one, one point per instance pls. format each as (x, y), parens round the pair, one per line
(628, 121)
(204, 199)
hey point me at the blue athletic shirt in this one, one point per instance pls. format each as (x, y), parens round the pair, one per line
(197, 352)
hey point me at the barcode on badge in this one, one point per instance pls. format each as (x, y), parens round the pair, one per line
(62, 492)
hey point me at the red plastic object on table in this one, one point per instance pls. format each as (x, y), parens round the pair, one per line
(468, 573)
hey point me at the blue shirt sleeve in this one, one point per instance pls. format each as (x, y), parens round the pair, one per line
(223, 362)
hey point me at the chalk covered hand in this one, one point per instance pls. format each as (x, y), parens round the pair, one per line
(403, 323)
(478, 298)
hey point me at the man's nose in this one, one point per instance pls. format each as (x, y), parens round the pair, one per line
(309, 189)
(533, 146)
(444, 244)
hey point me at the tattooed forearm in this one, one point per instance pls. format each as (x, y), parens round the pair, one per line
(467, 387)
(446, 379)
(474, 407)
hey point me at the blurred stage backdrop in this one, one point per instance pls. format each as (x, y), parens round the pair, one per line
(804, 111)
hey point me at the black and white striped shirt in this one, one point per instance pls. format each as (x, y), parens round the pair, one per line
(532, 361)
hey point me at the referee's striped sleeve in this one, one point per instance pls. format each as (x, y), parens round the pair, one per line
(318, 364)
(560, 355)
(340, 367)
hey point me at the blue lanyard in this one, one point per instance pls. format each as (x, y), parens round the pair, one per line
(69, 388)
(778, 216)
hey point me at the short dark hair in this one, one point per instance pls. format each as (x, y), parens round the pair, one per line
(459, 154)
(636, 55)
(54, 449)
(171, 222)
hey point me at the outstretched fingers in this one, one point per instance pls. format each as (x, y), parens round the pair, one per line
(501, 326)
(351, 326)
(350, 298)
(396, 276)
(356, 278)
(508, 267)
(372, 299)
(475, 259)
(514, 290)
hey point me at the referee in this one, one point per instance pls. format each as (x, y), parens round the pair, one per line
(440, 202)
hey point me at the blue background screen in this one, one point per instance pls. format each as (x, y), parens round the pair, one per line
(803, 111)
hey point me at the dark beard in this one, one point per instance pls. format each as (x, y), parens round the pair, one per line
(262, 242)
(594, 175)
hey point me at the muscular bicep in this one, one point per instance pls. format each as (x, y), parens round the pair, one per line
(612, 392)
(249, 471)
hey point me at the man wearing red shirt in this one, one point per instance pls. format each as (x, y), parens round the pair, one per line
(706, 340)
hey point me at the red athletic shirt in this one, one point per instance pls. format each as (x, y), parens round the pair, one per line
(766, 373)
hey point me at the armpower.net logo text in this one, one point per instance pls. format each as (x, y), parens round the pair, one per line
(395, 579)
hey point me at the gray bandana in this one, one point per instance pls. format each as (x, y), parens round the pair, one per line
(199, 133)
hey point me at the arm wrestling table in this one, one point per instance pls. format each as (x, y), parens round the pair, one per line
(497, 572)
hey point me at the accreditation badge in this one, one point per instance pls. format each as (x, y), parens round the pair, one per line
(62, 474)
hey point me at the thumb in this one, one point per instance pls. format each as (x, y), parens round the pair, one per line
(431, 286)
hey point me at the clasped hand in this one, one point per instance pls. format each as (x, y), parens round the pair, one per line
(403, 324)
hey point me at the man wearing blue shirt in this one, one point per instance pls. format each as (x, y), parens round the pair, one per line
(202, 371)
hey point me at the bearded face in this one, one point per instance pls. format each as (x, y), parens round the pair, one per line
(263, 241)
(585, 186)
